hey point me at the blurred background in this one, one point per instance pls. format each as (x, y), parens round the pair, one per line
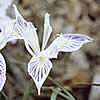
(82, 66)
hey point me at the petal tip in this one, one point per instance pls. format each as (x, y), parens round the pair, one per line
(38, 91)
(14, 5)
(89, 39)
(47, 14)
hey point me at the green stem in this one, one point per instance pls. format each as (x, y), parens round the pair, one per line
(55, 90)
(66, 63)
(53, 87)
(48, 88)
(61, 94)
(28, 90)
(56, 83)
(4, 95)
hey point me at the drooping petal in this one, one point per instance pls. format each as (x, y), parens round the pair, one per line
(39, 69)
(66, 43)
(47, 31)
(2, 72)
(28, 32)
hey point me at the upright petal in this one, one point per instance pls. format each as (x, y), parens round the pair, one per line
(28, 32)
(66, 43)
(17, 14)
(39, 69)
(2, 72)
(47, 31)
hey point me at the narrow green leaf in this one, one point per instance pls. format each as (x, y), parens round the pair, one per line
(5, 96)
(58, 91)
(53, 96)
(62, 88)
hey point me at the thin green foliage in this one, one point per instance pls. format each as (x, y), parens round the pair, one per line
(28, 90)
(62, 88)
(53, 95)
(5, 96)
(58, 91)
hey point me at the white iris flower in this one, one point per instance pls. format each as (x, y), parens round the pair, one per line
(40, 64)
(9, 33)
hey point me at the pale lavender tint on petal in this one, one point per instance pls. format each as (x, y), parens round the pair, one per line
(79, 37)
(21, 24)
(72, 42)
(66, 43)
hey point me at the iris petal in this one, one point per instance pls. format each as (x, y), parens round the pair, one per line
(66, 43)
(2, 72)
(39, 69)
(28, 32)
(47, 30)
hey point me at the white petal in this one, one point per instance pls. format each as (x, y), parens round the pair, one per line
(39, 71)
(28, 32)
(2, 72)
(8, 33)
(2, 63)
(33, 38)
(4, 18)
(29, 49)
(17, 14)
(73, 42)
(2, 79)
(47, 31)
(13, 42)
(12, 32)
(5, 4)
(66, 43)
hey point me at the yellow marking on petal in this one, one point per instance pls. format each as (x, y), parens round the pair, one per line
(41, 58)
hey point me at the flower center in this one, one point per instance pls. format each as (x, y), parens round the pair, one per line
(41, 58)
